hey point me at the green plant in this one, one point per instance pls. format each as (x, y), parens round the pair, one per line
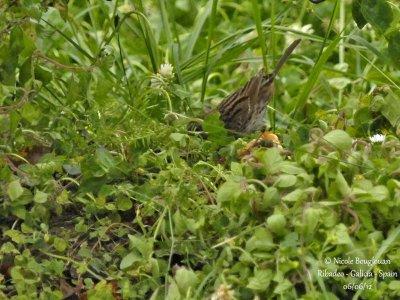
(107, 193)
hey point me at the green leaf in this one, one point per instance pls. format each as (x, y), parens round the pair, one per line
(75, 90)
(19, 212)
(40, 197)
(110, 206)
(389, 243)
(16, 40)
(102, 290)
(339, 235)
(295, 196)
(391, 108)
(379, 193)
(339, 139)
(342, 185)
(260, 281)
(43, 75)
(314, 74)
(375, 194)
(186, 279)
(179, 223)
(285, 181)
(195, 33)
(229, 191)
(8, 248)
(25, 71)
(31, 113)
(124, 203)
(14, 190)
(142, 244)
(260, 241)
(105, 159)
(180, 138)
(129, 260)
(394, 48)
(271, 197)
(16, 236)
(357, 15)
(394, 285)
(378, 13)
(55, 266)
(72, 169)
(282, 286)
(365, 216)
(276, 223)
(311, 219)
(60, 244)
(217, 133)
(370, 46)
(271, 160)
(173, 292)
(62, 198)
(291, 168)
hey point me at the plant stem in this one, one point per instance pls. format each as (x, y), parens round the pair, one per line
(210, 38)
(261, 39)
(342, 19)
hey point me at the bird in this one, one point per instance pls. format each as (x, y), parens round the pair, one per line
(243, 111)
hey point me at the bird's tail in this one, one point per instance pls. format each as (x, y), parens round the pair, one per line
(285, 56)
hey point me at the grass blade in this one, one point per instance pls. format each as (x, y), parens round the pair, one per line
(210, 38)
(272, 45)
(385, 246)
(315, 72)
(148, 36)
(196, 30)
(261, 39)
(172, 46)
(330, 26)
(76, 45)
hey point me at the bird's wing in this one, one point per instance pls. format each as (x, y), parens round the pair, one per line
(245, 95)
(253, 86)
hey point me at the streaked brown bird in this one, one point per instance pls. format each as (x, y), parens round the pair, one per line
(244, 110)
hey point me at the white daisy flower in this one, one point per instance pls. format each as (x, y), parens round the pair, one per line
(166, 70)
(163, 77)
(223, 292)
(377, 138)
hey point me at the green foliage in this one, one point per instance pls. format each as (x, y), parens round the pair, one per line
(217, 133)
(383, 16)
(108, 193)
(339, 139)
(378, 13)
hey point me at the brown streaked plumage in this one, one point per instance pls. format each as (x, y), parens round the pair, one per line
(244, 110)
